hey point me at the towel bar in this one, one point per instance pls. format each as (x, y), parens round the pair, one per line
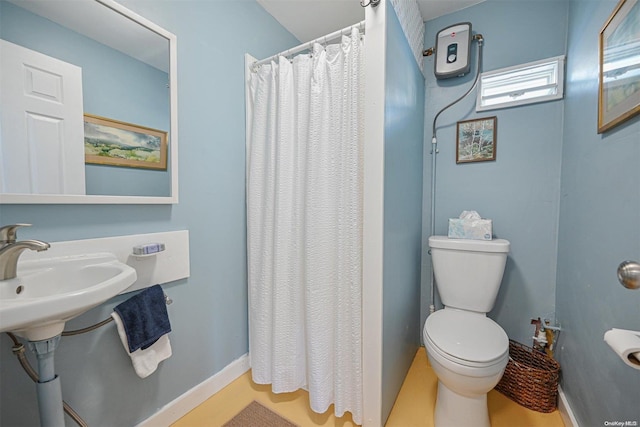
(167, 300)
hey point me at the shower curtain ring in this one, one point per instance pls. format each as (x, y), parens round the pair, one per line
(373, 3)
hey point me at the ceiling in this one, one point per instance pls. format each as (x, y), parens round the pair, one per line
(311, 19)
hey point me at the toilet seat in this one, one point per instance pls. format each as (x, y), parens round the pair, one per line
(467, 338)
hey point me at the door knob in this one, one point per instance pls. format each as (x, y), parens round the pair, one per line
(629, 274)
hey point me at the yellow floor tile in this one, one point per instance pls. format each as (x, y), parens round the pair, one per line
(413, 407)
(222, 406)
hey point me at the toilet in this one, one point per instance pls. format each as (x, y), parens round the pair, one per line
(467, 351)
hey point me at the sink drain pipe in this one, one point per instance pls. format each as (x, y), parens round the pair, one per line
(49, 382)
(48, 388)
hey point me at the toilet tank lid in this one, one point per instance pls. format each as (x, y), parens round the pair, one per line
(495, 245)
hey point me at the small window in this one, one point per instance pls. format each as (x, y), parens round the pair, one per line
(523, 84)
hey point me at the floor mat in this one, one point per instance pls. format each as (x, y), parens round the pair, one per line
(256, 415)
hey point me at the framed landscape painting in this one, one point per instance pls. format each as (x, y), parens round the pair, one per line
(115, 143)
(619, 85)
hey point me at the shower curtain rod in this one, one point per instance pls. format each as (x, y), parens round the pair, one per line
(309, 45)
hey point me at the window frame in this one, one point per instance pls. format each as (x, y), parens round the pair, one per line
(558, 61)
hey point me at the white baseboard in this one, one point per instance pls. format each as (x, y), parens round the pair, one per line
(180, 406)
(566, 413)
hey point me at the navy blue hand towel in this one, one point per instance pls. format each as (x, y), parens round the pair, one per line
(144, 317)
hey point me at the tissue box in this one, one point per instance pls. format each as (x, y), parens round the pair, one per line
(476, 229)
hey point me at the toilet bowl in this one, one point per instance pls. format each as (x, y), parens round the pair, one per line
(468, 353)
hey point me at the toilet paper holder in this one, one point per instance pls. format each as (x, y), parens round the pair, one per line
(626, 344)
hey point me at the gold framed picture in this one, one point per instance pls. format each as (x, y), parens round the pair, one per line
(619, 74)
(116, 143)
(476, 140)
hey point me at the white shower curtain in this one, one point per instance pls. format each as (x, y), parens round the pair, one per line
(304, 225)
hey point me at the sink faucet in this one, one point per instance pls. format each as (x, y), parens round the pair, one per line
(10, 249)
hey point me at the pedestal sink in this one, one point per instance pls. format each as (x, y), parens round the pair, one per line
(49, 291)
(45, 294)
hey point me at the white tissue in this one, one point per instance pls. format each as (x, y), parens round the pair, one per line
(625, 344)
(470, 226)
(469, 215)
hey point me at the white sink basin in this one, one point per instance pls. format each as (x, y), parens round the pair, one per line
(48, 292)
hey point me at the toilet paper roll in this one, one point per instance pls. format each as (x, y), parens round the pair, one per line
(625, 344)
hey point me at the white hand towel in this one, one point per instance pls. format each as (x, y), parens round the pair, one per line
(146, 361)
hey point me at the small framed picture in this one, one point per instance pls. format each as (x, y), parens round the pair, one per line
(115, 143)
(476, 140)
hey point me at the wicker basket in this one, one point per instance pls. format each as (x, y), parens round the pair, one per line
(530, 379)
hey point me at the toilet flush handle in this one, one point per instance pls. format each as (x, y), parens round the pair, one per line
(629, 274)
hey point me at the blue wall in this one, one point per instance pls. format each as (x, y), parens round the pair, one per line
(574, 223)
(599, 228)
(403, 140)
(209, 312)
(114, 85)
(520, 190)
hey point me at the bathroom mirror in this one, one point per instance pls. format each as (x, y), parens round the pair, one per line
(127, 67)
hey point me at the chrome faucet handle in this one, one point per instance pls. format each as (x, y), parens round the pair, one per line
(9, 233)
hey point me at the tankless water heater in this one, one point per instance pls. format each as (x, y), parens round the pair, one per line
(453, 46)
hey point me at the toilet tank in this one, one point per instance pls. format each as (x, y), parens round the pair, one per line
(468, 272)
